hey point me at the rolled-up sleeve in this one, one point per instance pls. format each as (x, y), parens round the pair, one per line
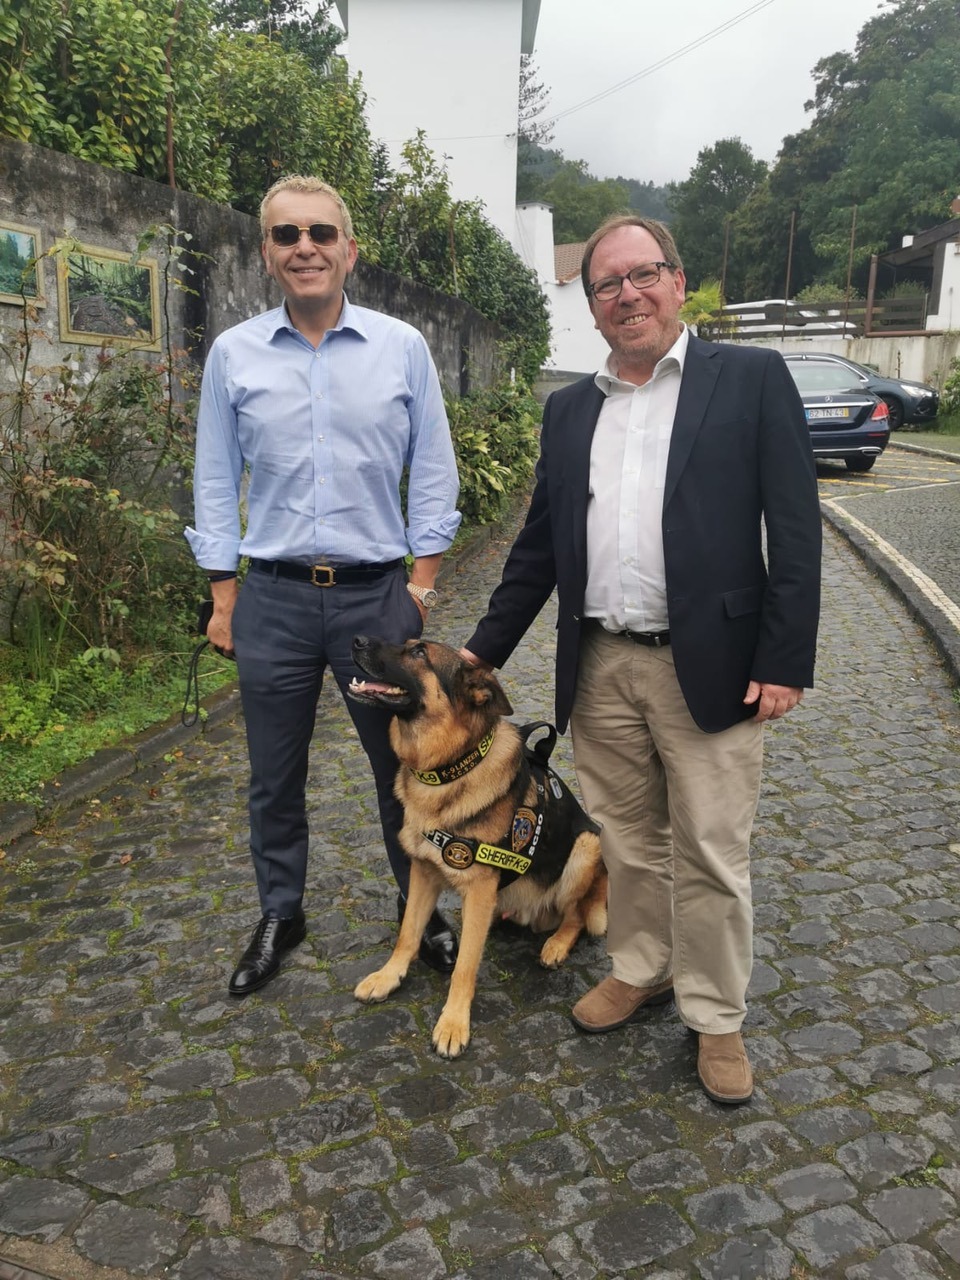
(432, 517)
(215, 537)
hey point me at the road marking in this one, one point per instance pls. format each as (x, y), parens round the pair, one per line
(924, 584)
(886, 490)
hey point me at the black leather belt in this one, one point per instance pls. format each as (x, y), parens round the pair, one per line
(655, 639)
(325, 575)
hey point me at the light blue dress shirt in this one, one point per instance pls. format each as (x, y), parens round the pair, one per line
(325, 434)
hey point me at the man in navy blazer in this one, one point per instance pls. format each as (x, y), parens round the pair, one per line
(675, 511)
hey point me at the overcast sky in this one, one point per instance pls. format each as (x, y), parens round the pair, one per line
(748, 81)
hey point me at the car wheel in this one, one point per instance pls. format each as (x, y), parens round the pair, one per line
(895, 410)
(859, 463)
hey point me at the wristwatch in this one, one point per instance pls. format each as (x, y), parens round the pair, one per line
(425, 595)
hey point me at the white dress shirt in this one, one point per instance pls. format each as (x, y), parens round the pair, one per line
(626, 580)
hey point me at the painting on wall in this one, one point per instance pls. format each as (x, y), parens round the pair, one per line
(106, 298)
(19, 273)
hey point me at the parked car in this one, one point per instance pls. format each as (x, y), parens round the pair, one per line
(907, 401)
(845, 420)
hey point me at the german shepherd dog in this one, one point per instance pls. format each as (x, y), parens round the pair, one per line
(480, 816)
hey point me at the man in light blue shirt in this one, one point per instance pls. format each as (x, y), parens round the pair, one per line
(323, 405)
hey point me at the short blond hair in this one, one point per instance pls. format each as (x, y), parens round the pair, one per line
(311, 186)
(659, 230)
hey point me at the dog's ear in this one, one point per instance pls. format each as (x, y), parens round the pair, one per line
(483, 689)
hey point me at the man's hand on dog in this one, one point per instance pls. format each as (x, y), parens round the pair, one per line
(474, 661)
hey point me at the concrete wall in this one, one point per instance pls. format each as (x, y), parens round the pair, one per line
(451, 68)
(919, 358)
(102, 207)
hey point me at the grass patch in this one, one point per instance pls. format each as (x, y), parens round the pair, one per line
(48, 725)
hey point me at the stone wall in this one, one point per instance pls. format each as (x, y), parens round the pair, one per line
(62, 196)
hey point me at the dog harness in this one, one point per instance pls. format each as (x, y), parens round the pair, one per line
(515, 854)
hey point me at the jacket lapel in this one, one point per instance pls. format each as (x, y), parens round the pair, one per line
(579, 423)
(701, 368)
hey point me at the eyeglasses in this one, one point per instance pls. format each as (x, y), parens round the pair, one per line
(287, 234)
(643, 277)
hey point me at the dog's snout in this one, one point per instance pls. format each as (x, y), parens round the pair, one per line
(360, 643)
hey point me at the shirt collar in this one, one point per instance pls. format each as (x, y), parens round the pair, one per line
(351, 318)
(608, 380)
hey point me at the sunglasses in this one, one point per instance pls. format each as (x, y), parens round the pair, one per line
(287, 234)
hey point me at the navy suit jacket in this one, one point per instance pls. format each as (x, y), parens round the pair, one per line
(739, 460)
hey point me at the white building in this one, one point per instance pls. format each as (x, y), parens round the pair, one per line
(575, 342)
(936, 250)
(451, 68)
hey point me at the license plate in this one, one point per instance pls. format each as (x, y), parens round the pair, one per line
(813, 414)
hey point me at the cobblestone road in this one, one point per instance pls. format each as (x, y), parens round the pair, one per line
(153, 1127)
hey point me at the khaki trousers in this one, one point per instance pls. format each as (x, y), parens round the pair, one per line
(677, 806)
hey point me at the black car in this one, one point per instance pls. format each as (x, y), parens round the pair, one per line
(845, 421)
(907, 401)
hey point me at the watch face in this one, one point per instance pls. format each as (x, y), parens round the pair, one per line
(429, 598)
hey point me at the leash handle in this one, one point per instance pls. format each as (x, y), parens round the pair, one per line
(542, 749)
(188, 716)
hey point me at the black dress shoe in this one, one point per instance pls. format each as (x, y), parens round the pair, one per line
(261, 960)
(438, 946)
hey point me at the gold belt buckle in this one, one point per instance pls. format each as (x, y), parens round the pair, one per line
(328, 569)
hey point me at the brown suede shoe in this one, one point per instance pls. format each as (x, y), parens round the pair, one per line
(724, 1068)
(613, 1003)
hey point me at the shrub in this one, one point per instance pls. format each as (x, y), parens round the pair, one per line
(495, 437)
(950, 395)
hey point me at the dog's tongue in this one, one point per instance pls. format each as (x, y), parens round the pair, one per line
(372, 686)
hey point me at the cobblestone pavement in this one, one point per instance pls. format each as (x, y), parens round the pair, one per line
(153, 1127)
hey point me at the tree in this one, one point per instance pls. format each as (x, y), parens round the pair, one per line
(288, 22)
(532, 128)
(724, 176)
(423, 233)
(647, 199)
(885, 138)
(546, 174)
(581, 202)
(274, 115)
(102, 80)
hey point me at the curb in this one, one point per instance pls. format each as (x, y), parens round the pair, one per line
(109, 765)
(945, 638)
(951, 455)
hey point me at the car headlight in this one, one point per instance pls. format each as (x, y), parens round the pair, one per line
(915, 390)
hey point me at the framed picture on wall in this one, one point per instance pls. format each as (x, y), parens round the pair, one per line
(19, 271)
(106, 298)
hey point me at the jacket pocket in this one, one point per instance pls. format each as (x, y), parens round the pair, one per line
(744, 600)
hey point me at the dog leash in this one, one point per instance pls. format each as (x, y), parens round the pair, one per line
(190, 712)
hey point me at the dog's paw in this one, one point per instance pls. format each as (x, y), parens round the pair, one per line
(554, 952)
(377, 986)
(451, 1036)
